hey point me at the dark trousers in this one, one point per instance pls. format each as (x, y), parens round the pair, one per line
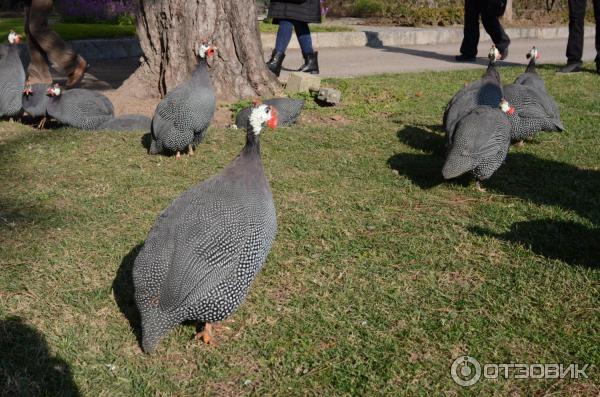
(45, 44)
(284, 35)
(473, 10)
(576, 20)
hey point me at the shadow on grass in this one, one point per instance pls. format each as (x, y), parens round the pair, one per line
(124, 292)
(146, 140)
(425, 170)
(27, 368)
(569, 242)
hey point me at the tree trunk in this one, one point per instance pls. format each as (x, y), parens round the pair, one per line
(170, 31)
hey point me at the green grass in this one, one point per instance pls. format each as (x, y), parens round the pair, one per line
(381, 273)
(72, 31)
(266, 27)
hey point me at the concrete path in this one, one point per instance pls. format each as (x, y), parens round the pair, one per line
(358, 61)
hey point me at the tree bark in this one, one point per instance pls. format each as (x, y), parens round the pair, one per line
(170, 31)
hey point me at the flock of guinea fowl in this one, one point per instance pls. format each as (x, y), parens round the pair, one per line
(204, 250)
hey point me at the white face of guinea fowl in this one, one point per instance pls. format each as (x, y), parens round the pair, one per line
(14, 38)
(261, 115)
(205, 50)
(506, 108)
(533, 54)
(54, 90)
(494, 54)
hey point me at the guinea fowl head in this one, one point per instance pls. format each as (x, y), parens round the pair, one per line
(494, 54)
(262, 115)
(205, 51)
(506, 108)
(28, 90)
(533, 54)
(54, 91)
(14, 38)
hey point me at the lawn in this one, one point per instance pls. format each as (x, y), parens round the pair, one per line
(381, 273)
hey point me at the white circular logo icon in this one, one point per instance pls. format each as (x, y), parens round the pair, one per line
(465, 371)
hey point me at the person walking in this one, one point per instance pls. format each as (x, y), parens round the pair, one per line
(575, 41)
(295, 15)
(489, 11)
(46, 45)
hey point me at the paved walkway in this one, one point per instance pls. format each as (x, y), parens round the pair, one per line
(357, 61)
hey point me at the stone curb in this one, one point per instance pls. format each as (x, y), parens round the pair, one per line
(393, 37)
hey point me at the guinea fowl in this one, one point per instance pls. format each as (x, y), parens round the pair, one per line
(182, 117)
(35, 102)
(485, 91)
(12, 79)
(531, 78)
(288, 111)
(531, 113)
(128, 122)
(205, 249)
(480, 143)
(79, 108)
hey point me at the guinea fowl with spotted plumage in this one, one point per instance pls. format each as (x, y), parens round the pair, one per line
(479, 144)
(79, 108)
(35, 102)
(12, 79)
(206, 248)
(288, 111)
(182, 117)
(127, 122)
(485, 91)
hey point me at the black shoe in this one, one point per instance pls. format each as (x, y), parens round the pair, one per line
(503, 54)
(311, 63)
(598, 67)
(571, 68)
(274, 64)
(465, 58)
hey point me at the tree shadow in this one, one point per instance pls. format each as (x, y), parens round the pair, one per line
(27, 368)
(124, 292)
(425, 170)
(569, 242)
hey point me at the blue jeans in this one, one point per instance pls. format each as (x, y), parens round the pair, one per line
(284, 35)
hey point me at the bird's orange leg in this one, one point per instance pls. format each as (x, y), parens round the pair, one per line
(42, 124)
(190, 150)
(204, 333)
(178, 155)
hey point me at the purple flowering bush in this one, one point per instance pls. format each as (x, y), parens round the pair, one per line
(107, 11)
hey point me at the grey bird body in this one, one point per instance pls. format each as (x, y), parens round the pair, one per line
(205, 249)
(486, 91)
(532, 112)
(128, 122)
(35, 104)
(480, 144)
(289, 111)
(12, 82)
(530, 78)
(182, 117)
(81, 108)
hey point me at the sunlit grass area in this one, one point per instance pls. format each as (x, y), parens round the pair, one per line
(381, 273)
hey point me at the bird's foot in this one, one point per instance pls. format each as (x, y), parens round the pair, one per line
(205, 335)
(520, 143)
(178, 155)
(479, 187)
(42, 124)
(190, 150)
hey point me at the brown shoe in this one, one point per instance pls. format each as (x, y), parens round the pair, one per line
(76, 75)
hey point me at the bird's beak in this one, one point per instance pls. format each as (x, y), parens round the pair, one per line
(18, 39)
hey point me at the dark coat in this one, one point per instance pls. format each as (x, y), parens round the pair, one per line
(305, 11)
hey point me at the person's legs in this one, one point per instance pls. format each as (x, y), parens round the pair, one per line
(576, 20)
(311, 63)
(38, 71)
(284, 35)
(493, 27)
(468, 47)
(57, 51)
